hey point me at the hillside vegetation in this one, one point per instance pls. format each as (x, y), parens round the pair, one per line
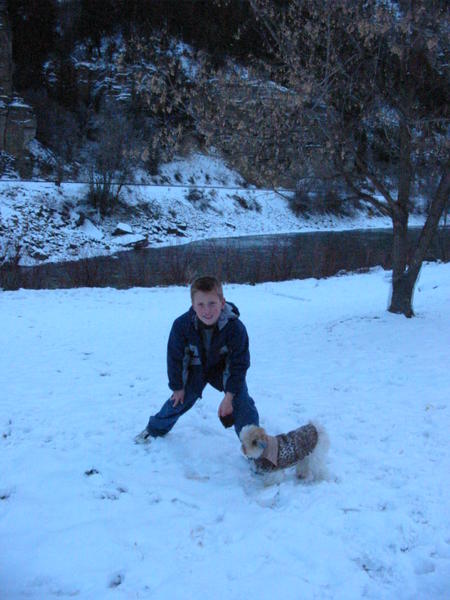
(119, 85)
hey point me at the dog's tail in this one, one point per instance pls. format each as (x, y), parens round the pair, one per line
(313, 467)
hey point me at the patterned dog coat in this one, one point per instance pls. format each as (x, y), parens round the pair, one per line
(287, 449)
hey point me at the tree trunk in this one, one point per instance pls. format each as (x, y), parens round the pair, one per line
(402, 294)
(399, 243)
(402, 287)
(403, 282)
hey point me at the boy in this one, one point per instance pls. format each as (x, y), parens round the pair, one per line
(207, 344)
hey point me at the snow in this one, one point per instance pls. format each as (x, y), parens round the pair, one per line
(86, 513)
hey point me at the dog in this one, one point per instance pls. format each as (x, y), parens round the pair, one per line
(305, 448)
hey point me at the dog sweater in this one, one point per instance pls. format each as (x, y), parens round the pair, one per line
(286, 449)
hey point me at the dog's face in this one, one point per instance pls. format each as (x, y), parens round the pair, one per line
(254, 441)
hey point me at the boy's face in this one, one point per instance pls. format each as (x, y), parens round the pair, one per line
(207, 306)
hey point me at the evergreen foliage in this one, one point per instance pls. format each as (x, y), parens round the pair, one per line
(223, 28)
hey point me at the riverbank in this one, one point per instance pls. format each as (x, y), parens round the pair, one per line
(43, 222)
(246, 259)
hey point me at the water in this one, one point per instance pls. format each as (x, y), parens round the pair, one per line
(249, 259)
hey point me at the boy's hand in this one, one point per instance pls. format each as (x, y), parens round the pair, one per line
(226, 406)
(177, 397)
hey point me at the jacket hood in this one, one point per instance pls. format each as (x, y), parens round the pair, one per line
(229, 312)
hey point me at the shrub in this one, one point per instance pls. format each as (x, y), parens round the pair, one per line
(247, 203)
(323, 200)
(102, 193)
(333, 203)
(300, 202)
(114, 157)
(199, 199)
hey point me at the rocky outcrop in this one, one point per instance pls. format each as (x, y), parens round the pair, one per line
(5, 51)
(17, 120)
(19, 127)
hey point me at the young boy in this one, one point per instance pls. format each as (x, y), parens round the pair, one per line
(207, 344)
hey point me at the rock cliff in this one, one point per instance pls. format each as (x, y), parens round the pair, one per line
(17, 120)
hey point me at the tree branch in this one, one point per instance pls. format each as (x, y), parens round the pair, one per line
(439, 203)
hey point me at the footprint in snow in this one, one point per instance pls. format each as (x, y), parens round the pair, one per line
(116, 579)
(8, 430)
(5, 494)
(193, 475)
(49, 587)
(424, 567)
(267, 496)
(90, 472)
(110, 494)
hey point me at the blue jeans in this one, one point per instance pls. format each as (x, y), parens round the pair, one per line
(244, 412)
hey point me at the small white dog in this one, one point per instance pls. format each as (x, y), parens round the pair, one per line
(305, 448)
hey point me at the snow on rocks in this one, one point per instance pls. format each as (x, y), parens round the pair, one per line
(90, 230)
(122, 229)
(128, 238)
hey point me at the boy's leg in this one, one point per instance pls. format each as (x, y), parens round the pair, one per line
(161, 423)
(244, 410)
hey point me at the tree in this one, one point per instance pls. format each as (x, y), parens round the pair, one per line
(161, 91)
(115, 156)
(371, 85)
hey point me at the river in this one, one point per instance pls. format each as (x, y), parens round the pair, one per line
(249, 259)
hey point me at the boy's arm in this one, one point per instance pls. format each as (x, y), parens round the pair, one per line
(175, 355)
(239, 358)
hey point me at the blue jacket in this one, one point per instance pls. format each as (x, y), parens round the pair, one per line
(228, 358)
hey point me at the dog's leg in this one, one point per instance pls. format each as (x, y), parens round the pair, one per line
(313, 467)
(273, 478)
(302, 469)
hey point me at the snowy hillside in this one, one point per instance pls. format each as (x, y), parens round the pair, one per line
(191, 199)
(86, 513)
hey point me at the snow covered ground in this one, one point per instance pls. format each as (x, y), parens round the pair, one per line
(86, 513)
(193, 198)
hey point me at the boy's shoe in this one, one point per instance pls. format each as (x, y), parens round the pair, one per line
(143, 438)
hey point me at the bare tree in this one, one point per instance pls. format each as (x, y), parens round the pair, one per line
(354, 92)
(371, 82)
(117, 151)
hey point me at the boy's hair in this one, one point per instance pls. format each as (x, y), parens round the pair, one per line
(206, 284)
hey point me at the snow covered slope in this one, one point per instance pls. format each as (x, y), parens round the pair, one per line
(193, 198)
